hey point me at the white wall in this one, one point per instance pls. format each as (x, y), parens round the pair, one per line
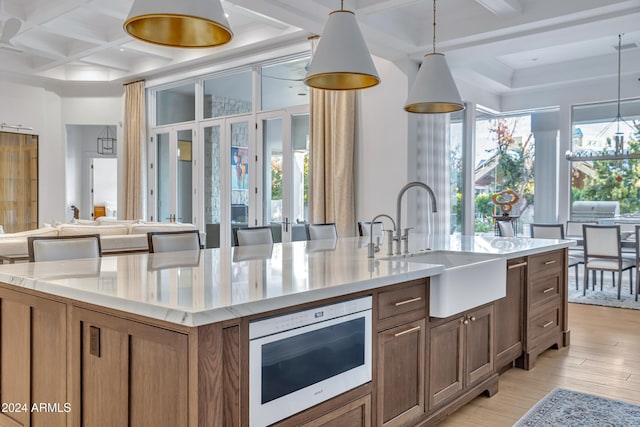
(47, 112)
(381, 152)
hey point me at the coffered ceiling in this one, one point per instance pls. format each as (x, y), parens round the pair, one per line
(504, 46)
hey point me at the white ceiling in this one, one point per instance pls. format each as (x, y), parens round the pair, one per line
(504, 46)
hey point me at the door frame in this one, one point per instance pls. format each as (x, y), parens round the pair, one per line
(152, 164)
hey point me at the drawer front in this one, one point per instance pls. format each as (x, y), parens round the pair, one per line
(546, 263)
(543, 290)
(403, 300)
(545, 323)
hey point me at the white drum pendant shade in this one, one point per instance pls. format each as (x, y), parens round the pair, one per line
(179, 23)
(341, 60)
(434, 90)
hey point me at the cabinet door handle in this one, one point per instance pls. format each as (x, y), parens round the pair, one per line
(465, 321)
(399, 303)
(408, 331)
(548, 290)
(472, 318)
(549, 323)
(553, 261)
(518, 265)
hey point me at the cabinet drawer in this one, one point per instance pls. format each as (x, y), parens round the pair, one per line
(544, 290)
(403, 300)
(546, 263)
(546, 322)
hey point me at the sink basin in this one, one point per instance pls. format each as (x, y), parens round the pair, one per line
(468, 280)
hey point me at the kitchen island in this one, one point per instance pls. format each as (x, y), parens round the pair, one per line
(163, 339)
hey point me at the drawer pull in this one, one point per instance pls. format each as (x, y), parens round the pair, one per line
(549, 323)
(553, 261)
(398, 304)
(408, 331)
(546, 291)
(518, 265)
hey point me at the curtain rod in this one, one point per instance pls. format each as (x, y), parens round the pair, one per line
(16, 127)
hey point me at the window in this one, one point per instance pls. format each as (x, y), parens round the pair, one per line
(505, 150)
(283, 86)
(456, 144)
(176, 105)
(605, 167)
(228, 95)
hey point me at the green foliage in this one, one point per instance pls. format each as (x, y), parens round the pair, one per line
(617, 180)
(276, 178)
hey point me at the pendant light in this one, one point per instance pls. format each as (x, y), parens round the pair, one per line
(434, 90)
(179, 23)
(341, 60)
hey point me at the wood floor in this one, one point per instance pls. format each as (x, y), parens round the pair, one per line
(603, 359)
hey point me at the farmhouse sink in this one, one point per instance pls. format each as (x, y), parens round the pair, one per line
(468, 280)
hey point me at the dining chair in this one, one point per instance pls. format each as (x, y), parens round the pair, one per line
(322, 231)
(173, 241)
(58, 248)
(252, 236)
(506, 229)
(636, 234)
(364, 228)
(603, 252)
(556, 231)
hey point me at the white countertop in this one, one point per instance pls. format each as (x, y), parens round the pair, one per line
(195, 288)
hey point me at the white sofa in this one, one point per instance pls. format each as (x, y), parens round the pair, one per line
(115, 236)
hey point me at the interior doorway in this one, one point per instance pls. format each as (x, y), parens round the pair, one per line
(82, 149)
(104, 187)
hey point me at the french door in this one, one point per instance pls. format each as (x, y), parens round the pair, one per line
(283, 146)
(227, 177)
(172, 168)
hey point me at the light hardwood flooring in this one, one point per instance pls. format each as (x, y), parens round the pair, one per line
(603, 359)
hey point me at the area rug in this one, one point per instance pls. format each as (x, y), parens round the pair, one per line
(563, 407)
(607, 297)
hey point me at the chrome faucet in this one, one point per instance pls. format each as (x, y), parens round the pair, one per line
(399, 237)
(373, 248)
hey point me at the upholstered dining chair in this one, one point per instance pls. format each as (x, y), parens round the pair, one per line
(173, 241)
(322, 231)
(637, 237)
(603, 252)
(556, 231)
(58, 248)
(364, 228)
(506, 229)
(252, 236)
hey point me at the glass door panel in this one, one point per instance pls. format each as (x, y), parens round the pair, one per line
(300, 167)
(212, 184)
(184, 176)
(239, 136)
(273, 170)
(163, 185)
(285, 140)
(173, 176)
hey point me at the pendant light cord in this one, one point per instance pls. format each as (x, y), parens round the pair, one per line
(341, 4)
(434, 26)
(618, 117)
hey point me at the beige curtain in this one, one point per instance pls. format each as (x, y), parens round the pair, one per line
(332, 174)
(134, 138)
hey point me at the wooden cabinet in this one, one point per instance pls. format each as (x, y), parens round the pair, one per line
(353, 414)
(510, 315)
(128, 373)
(461, 352)
(401, 359)
(33, 360)
(546, 305)
(18, 181)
